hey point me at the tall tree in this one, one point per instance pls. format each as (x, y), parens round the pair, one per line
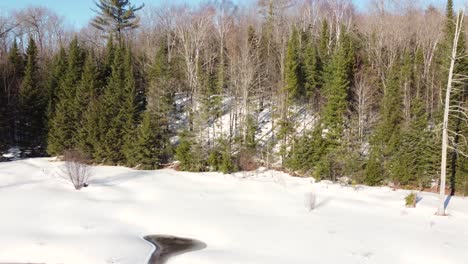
(336, 89)
(116, 16)
(86, 96)
(293, 74)
(32, 105)
(387, 135)
(14, 76)
(447, 109)
(65, 121)
(149, 144)
(59, 66)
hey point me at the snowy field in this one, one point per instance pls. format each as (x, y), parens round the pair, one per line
(243, 218)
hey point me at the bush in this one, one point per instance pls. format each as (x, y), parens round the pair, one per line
(410, 199)
(214, 160)
(246, 160)
(227, 163)
(310, 201)
(190, 154)
(76, 169)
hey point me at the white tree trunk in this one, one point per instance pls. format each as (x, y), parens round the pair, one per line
(443, 163)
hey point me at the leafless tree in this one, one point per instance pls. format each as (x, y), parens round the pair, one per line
(76, 169)
(448, 108)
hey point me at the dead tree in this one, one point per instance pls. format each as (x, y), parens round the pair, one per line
(447, 110)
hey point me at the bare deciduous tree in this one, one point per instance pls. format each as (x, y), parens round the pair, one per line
(447, 109)
(76, 169)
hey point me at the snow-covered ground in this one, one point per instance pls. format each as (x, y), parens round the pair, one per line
(243, 218)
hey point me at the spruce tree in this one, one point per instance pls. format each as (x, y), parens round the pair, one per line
(149, 144)
(32, 105)
(110, 122)
(105, 71)
(294, 86)
(311, 71)
(387, 135)
(16, 64)
(412, 162)
(56, 76)
(336, 90)
(85, 100)
(324, 41)
(65, 122)
(3, 119)
(159, 95)
(129, 109)
(119, 116)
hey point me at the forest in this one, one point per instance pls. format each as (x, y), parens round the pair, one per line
(313, 87)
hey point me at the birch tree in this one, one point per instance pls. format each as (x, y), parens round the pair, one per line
(448, 108)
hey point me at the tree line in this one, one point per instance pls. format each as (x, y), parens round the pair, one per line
(314, 87)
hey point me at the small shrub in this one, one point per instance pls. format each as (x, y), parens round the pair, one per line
(410, 199)
(76, 169)
(246, 160)
(214, 160)
(310, 200)
(227, 164)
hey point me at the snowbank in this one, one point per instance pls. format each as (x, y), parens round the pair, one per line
(243, 218)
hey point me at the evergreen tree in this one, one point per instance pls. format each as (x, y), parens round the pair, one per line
(65, 122)
(293, 74)
(387, 135)
(3, 119)
(118, 118)
(129, 109)
(116, 16)
(16, 64)
(149, 145)
(56, 76)
(90, 134)
(324, 41)
(32, 105)
(336, 90)
(311, 71)
(105, 71)
(413, 160)
(110, 122)
(86, 104)
(160, 96)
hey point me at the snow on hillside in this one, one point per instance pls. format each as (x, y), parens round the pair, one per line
(251, 218)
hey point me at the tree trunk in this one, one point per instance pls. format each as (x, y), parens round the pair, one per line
(443, 163)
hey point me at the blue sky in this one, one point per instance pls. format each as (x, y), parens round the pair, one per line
(78, 13)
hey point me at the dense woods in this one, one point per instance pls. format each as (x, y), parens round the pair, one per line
(310, 86)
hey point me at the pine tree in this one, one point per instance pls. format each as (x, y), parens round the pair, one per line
(159, 95)
(4, 135)
(111, 121)
(116, 16)
(413, 161)
(293, 75)
(149, 145)
(129, 109)
(86, 104)
(59, 66)
(32, 105)
(16, 64)
(118, 118)
(324, 44)
(65, 123)
(105, 71)
(387, 134)
(458, 171)
(336, 89)
(90, 134)
(311, 71)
